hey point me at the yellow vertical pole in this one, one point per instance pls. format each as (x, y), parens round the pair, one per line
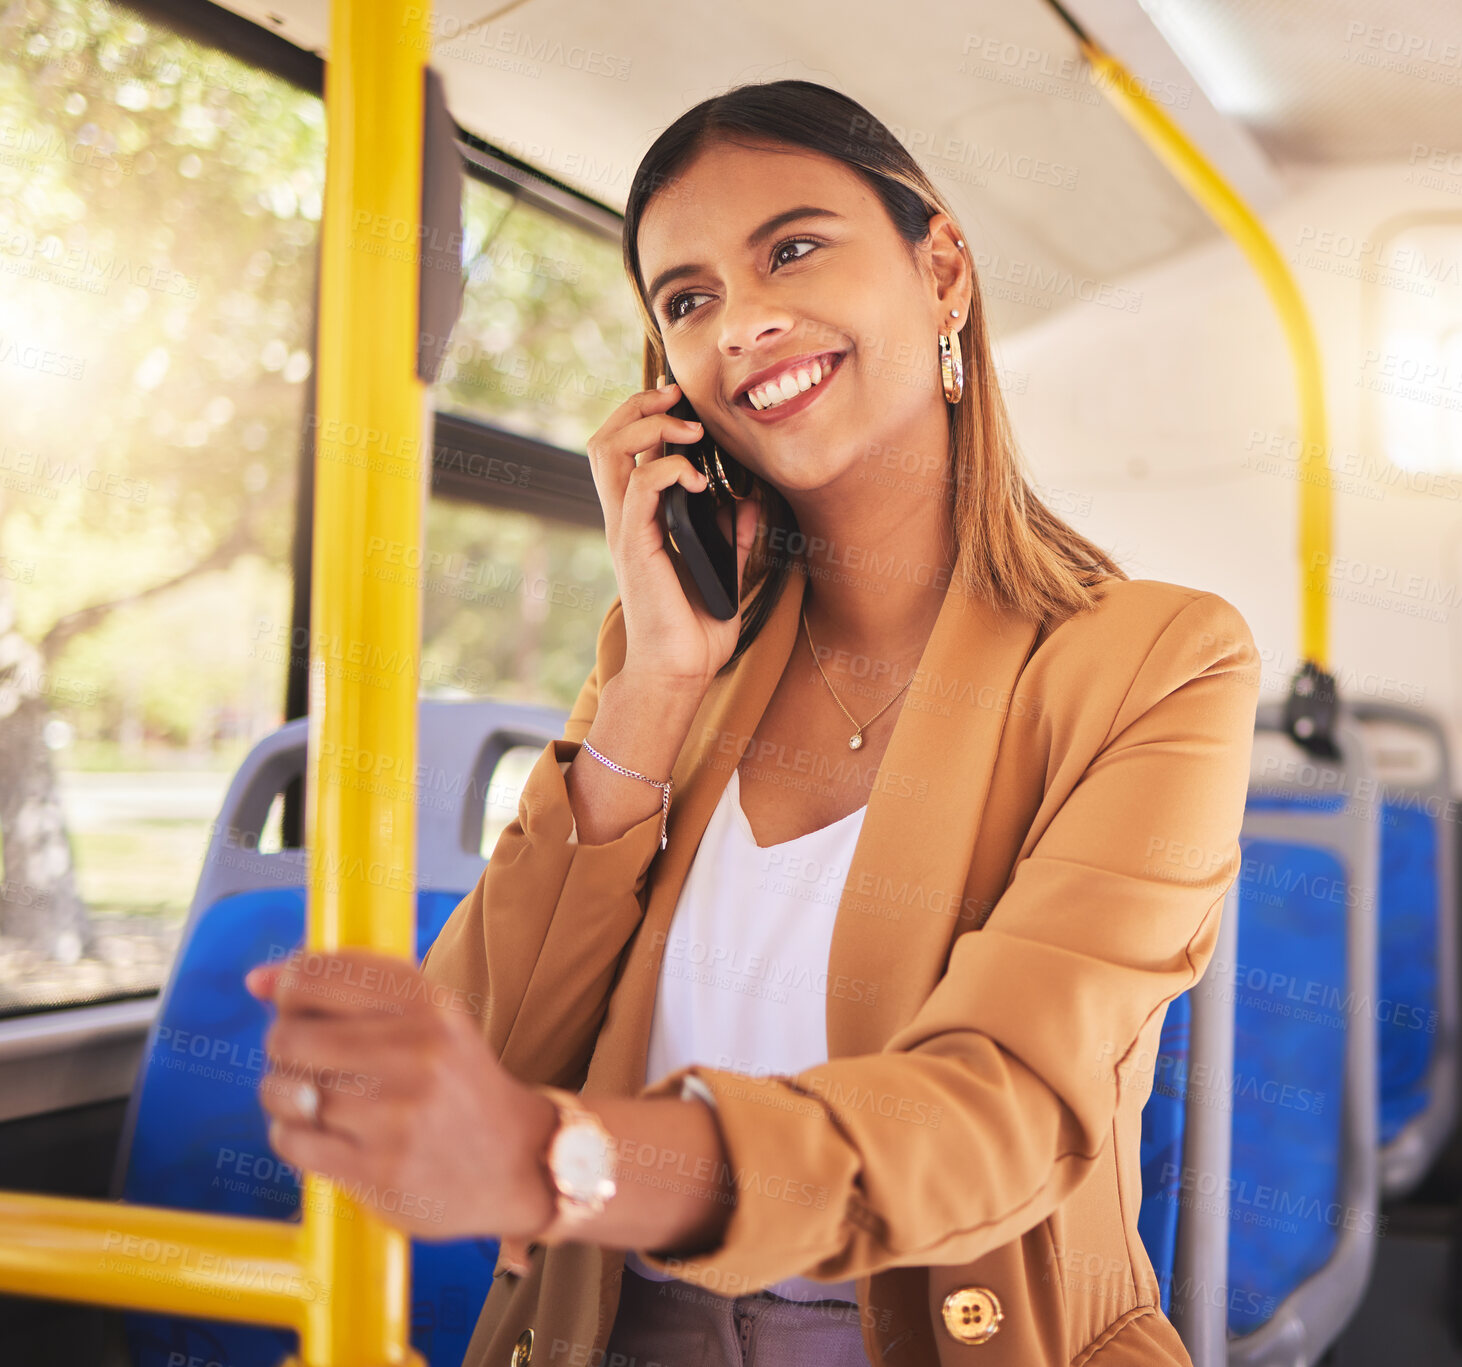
(342, 1277)
(370, 473)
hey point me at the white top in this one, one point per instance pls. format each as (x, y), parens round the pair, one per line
(743, 979)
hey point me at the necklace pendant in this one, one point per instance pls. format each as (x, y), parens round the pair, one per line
(856, 743)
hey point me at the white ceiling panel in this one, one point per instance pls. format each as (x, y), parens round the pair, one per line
(1327, 80)
(1058, 197)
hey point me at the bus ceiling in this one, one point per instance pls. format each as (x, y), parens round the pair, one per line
(576, 91)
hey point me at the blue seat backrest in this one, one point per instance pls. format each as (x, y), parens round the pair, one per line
(1294, 802)
(200, 1141)
(1292, 1011)
(1164, 1126)
(1408, 984)
(1409, 987)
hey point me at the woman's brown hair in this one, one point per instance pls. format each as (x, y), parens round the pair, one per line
(1011, 548)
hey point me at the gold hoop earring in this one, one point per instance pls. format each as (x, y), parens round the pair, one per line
(719, 475)
(951, 369)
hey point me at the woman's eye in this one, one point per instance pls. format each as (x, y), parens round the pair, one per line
(672, 306)
(781, 260)
(675, 313)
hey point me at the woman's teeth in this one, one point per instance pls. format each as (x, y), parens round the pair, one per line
(788, 385)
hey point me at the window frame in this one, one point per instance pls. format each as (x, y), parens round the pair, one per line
(1372, 424)
(67, 1056)
(559, 486)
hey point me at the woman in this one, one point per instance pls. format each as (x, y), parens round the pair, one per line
(952, 809)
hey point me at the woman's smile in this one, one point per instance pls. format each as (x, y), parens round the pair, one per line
(790, 389)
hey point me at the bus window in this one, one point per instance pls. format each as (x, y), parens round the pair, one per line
(503, 790)
(511, 604)
(1412, 366)
(159, 208)
(548, 343)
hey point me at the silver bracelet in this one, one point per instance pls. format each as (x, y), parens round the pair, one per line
(663, 784)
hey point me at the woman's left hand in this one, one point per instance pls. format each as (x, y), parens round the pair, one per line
(416, 1117)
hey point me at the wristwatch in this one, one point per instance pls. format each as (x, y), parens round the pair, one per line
(582, 1166)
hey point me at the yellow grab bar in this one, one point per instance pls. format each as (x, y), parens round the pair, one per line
(1189, 166)
(151, 1259)
(340, 1276)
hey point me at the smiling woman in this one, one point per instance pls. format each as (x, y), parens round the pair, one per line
(876, 227)
(829, 1069)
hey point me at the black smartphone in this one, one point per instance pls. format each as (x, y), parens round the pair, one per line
(690, 519)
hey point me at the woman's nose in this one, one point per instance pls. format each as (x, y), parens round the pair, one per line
(750, 318)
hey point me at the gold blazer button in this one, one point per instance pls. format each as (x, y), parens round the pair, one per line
(972, 1314)
(523, 1349)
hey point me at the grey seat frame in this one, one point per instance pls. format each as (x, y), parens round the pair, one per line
(1200, 1258)
(1407, 1158)
(1311, 1317)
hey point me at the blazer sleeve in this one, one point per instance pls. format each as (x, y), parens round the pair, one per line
(534, 947)
(1001, 1091)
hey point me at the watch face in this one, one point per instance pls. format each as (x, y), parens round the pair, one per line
(580, 1161)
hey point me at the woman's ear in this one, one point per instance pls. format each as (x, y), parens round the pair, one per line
(949, 265)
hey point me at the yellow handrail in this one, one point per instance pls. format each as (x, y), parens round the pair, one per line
(147, 1258)
(1189, 166)
(340, 1276)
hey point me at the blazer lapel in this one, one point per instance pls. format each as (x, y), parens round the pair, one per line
(902, 899)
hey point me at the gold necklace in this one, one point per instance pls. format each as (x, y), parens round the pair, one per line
(855, 741)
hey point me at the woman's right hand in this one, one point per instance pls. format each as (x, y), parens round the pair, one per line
(668, 634)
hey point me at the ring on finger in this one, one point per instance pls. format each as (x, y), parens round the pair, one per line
(307, 1102)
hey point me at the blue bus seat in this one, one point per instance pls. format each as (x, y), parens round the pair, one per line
(1417, 991)
(195, 1136)
(1303, 1194)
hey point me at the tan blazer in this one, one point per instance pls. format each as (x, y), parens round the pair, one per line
(1040, 870)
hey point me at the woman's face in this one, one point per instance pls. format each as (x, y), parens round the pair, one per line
(764, 261)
